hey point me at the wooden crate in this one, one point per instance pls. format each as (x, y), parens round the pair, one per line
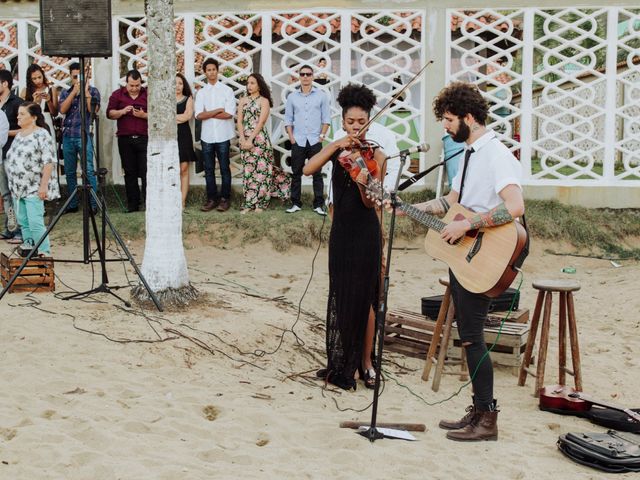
(517, 316)
(510, 347)
(37, 275)
(408, 333)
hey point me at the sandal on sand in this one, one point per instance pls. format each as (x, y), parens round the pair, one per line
(368, 377)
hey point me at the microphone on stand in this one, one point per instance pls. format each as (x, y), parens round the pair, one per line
(423, 147)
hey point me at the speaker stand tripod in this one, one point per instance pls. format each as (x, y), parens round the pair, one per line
(88, 214)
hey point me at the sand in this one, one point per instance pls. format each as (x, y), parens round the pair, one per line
(92, 389)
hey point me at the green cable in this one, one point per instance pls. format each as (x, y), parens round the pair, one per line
(489, 350)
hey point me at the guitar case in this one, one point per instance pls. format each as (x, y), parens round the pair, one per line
(613, 419)
(612, 452)
(501, 303)
(604, 417)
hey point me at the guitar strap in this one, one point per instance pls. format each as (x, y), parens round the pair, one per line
(525, 250)
(467, 154)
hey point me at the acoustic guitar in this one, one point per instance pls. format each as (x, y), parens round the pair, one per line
(482, 260)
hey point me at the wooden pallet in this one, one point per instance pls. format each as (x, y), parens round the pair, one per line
(509, 349)
(37, 275)
(410, 333)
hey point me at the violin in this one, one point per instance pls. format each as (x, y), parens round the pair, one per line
(365, 161)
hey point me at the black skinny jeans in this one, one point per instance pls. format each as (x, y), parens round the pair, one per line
(471, 313)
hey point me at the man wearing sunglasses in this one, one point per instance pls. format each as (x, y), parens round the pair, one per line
(306, 121)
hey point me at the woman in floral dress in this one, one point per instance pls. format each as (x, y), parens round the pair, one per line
(261, 179)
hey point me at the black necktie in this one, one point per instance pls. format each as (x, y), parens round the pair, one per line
(467, 154)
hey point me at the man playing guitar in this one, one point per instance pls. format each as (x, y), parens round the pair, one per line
(488, 183)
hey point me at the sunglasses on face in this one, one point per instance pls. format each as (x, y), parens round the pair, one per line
(306, 74)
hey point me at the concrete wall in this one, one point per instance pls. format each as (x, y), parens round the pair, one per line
(618, 197)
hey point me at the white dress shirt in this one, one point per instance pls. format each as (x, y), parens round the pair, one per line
(491, 168)
(211, 97)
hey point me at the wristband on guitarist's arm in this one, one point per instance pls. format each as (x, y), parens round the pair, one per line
(437, 206)
(494, 217)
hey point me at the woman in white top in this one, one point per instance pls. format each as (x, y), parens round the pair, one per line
(32, 178)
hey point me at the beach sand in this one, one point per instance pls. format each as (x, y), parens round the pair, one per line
(89, 390)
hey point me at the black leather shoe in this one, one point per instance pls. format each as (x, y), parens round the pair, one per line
(224, 205)
(210, 205)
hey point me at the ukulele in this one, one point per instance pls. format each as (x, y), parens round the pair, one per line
(560, 397)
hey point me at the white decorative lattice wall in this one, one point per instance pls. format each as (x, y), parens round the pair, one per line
(562, 84)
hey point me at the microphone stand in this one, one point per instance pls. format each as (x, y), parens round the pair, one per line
(372, 433)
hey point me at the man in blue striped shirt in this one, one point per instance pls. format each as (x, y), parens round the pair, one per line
(306, 120)
(72, 133)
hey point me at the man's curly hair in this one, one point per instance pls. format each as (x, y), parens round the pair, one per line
(461, 98)
(353, 95)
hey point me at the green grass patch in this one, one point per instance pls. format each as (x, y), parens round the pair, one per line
(605, 232)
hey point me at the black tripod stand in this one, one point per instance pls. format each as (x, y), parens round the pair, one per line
(89, 214)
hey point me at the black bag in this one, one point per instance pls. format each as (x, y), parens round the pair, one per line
(431, 305)
(612, 452)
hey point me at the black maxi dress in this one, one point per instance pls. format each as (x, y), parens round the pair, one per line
(354, 277)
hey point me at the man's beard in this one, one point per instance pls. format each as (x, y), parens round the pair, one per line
(462, 134)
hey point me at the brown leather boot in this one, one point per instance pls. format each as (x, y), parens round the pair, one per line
(224, 205)
(458, 424)
(210, 205)
(483, 427)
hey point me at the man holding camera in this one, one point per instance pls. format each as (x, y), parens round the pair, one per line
(72, 133)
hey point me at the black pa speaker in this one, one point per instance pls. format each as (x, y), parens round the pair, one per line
(79, 28)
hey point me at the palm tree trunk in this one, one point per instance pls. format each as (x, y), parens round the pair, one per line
(164, 265)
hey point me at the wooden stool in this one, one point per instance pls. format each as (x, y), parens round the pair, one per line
(440, 342)
(545, 291)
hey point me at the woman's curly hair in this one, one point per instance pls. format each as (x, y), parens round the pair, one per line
(353, 95)
(459, 99)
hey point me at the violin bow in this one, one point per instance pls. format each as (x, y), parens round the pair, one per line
(395, 97)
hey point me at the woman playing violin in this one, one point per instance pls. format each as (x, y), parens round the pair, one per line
(355, 245)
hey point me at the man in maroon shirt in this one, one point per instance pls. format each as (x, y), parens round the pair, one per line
(128, 106)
